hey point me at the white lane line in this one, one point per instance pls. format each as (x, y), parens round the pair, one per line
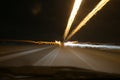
(54, 57)
(46, 59)
(21, 53)
(82, 59)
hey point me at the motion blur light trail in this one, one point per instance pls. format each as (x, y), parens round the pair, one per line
(92, 46)
(100, 5)
(72, 16)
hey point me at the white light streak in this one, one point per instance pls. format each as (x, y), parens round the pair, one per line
(72, 16)
(93, 46)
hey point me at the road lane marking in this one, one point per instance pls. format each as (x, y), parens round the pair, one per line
(82, 59)
(3, 58)
(45, 58)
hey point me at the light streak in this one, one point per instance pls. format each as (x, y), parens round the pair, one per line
(58, 43)
(85, 45)
(72, 16)
(99, 6)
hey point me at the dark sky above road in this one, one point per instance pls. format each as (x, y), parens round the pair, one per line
(47, 19)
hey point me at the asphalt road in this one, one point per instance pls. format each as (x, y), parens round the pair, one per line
(50, 55)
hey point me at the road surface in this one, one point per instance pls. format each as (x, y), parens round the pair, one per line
(51, 55)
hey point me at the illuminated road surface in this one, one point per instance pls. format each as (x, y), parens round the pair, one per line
(47, 55)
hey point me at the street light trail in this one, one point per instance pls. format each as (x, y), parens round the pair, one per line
(100, 5)
(72, 16)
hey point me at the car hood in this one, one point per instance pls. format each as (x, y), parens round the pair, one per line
(44, 73)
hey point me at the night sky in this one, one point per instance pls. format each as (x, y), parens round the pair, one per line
(47, 19)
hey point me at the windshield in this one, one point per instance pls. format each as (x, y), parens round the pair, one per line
(61, 33)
